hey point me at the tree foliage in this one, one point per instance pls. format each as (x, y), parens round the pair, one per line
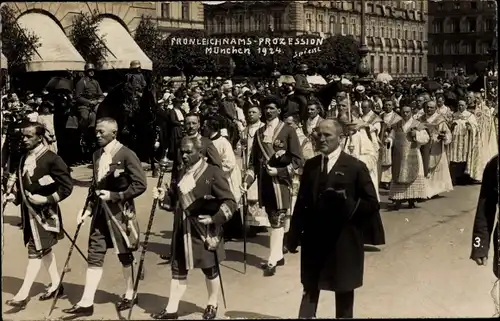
(152, 42)
(339, 55)
(191, 60)
(86, 40)
(18, 44)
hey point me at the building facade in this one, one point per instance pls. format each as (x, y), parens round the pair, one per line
(174, 15)
(461, 33)
(395, 31)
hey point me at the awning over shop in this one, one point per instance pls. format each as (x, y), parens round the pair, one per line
(55, 51)
(122, 48)
(3, 62)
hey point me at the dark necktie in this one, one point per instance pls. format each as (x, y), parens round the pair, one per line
(323, 179)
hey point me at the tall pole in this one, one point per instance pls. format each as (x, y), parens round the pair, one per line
(363, 69)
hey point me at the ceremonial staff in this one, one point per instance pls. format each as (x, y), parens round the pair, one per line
(163, 169)
(244, 205)
(73, 245)
(351, 145)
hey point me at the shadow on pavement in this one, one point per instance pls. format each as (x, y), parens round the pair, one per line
(248, 315)
(157, 248)
(85, 184)
(371, 248)
(152, 303)
(237, 256)
(386, 206)
(163, 234)
(11, 220)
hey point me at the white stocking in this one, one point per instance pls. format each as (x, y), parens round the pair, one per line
(49, 261)
(94, 275)
(129, 282)
(213, 288)
(32, 270)
(177, 289)
(276, 245)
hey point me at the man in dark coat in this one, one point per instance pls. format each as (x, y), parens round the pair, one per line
(274, 159)
(43, 180)
(302, 90)
(118, 179)
(203, 203)
(485, 218)
(335, 199)
(208, 150)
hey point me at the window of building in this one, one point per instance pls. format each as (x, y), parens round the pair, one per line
(473, 48)
(473, 5)
(240, 26)
(406, 34)
(440, 6)
(398, 65)
(437, 26)
(465, 49)
(412, 65)
(491, 4)
(375, 31)
(320, 23)
(165, 10)
(420, 65)
(405, 65)
(489, 25)
(454, 49)
(389, 65)
(343, 26)
(398, 32)
(259, 22)
(471, 25)
(185, 10)
(333, 22)
(382, 32)
(421, 36)
(455, 25)
(414, 35)
(221, 24)
(353, 26)
(456, 5)
(277, 20)
(372, 63)
(391, 33)
(381, 64)
(308, 22)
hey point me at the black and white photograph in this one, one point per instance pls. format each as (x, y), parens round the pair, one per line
(166, 160)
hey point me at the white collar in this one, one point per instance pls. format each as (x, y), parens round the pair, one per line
(335, 154)
(193, 168)
(273, 123)
(36, 150)
(109, 147)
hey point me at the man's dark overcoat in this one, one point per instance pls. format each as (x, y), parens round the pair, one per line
(330, 230)
(485, 216)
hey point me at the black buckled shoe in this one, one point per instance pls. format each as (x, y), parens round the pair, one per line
(80, 311)
(164, 315)
(50, 295)
(125, 304)
(20, 305)
(166, 258)
(270, 270)
(264, 265)
(210, 312)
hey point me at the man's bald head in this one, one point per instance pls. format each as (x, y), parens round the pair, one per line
(108, 121)
(327, 135)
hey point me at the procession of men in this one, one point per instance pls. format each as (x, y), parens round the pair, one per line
(313, 173)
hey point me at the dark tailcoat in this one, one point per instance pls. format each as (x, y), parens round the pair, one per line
(116, 219)
(212, 196)
(485, 216)
(275, 192)
(50, 178)
(331, 230)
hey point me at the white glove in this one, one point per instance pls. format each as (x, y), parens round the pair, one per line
(9, 197)
(158, 193)
(82, 215)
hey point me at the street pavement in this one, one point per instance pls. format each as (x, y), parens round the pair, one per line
(424, 270)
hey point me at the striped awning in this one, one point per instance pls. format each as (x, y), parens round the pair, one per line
(122, 48)
(55, 51)
(3, 62)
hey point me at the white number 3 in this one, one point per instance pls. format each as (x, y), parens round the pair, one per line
(477, 241)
